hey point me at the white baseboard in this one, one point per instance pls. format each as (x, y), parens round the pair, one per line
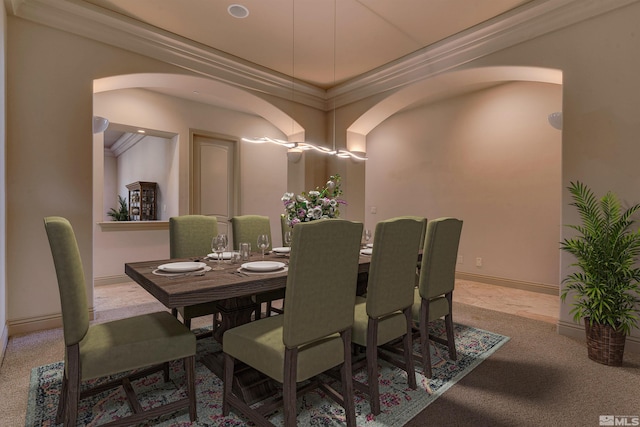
(4, 341)
(509, 283)
(111, 280)
(39, 323)
(575, 331)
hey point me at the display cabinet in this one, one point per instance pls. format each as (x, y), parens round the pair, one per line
(143, 200)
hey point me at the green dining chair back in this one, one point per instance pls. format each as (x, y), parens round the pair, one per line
(385, 314)
(190, 236)
(284, 227)
(94, 351)
(314, 333)
(247, 228)
(433, 298)
(423, 220)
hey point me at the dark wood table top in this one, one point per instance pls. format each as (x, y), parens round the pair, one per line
(214, 285)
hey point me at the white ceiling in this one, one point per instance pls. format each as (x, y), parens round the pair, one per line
(322, 42)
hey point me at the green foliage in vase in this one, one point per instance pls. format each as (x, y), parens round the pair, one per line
(122, 214)
(606, 286)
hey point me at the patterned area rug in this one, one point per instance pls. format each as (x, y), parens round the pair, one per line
(398, 403)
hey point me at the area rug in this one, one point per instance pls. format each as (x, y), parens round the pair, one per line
(398, 402)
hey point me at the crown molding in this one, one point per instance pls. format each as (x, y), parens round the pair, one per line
(526, 22)
(125, 142)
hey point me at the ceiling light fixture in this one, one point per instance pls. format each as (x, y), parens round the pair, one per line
(302, 146)
(238, 11)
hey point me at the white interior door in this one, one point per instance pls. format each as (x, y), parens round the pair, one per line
(214, 179)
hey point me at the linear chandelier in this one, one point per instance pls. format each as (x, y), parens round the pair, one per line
(304, 145)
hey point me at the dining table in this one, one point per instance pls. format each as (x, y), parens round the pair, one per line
(231, 288)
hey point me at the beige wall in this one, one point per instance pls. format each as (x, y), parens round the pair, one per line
(600, 104)
(600, 67)
(263, 169)
(48, 160)
(489, 158)
(50, 78)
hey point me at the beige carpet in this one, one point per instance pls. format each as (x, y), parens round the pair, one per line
(537, 378)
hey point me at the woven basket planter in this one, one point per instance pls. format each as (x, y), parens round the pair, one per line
(604, 344)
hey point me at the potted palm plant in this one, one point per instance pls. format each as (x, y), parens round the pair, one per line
(605, 287)
(122, 214)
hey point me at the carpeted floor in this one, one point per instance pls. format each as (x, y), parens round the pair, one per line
(538, 378)
(398, 402)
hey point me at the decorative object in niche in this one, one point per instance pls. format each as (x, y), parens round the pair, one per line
(143, 198)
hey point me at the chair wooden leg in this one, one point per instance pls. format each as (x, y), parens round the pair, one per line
(73, 385)
(227, 383)
(258, 311)
(187, 322)
(174, 312)
(190, 369)
(372, 365)
(289, 386)
(408, 351)
(165, 371)
(448, 322)
(62, 401)
(347, 380)
(424, 337)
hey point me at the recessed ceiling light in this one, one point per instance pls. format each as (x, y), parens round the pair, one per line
(238, 11)
(141, 131)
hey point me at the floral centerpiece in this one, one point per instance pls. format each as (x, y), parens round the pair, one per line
(316, 204)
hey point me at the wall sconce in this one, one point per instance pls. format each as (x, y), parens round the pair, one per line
(555, 120)
(294, 155)
(100, 124)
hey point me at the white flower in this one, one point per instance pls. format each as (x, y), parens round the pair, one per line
(287, 197)
(316, 213)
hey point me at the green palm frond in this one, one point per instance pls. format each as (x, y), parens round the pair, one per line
(122, 214)
(606, 286)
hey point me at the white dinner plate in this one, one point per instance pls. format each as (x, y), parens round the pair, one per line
(283, 250)
(225, 255)
(367, 251)
(182, 267)
(263, 265)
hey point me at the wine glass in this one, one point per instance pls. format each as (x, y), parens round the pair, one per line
(287, 237)
(218, 245)
(367, 236)
(263, 243)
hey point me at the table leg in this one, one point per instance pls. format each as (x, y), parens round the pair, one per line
(234, 312)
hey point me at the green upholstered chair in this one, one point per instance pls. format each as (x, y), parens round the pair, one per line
(190, 236)
(247, 228)
(422, 234)
(92, 351)
(423, 220)
(433, 297)
(385, 314)
(284, 227)
(314, 333)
